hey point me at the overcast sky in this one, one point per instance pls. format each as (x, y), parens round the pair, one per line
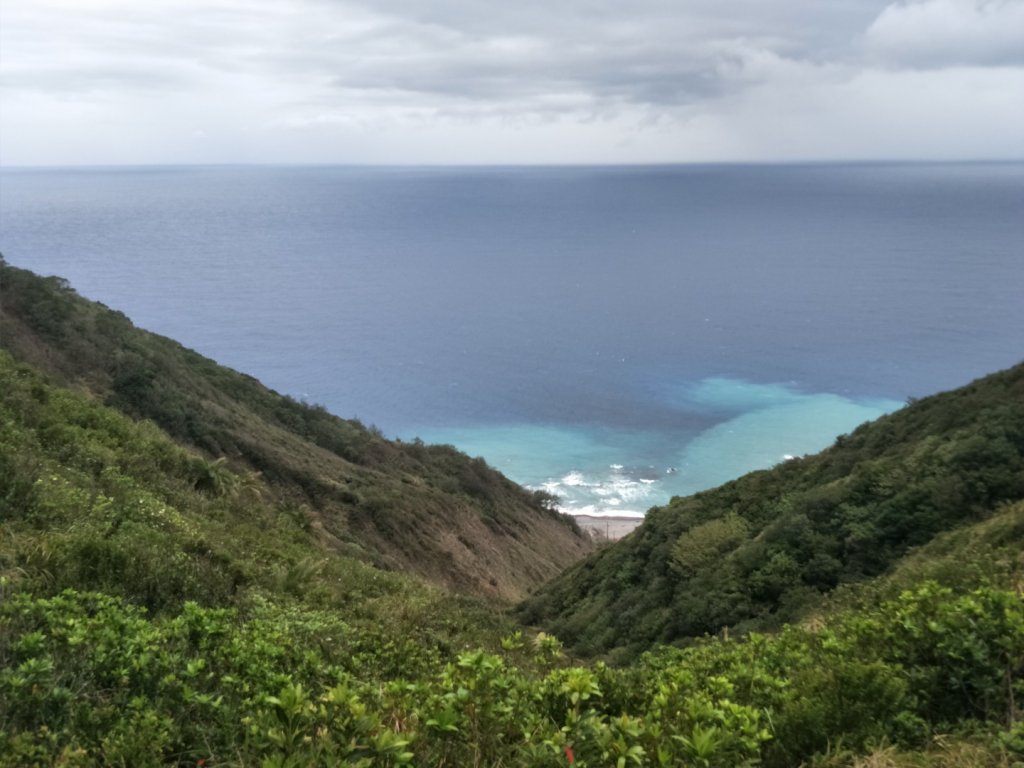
(508, 81)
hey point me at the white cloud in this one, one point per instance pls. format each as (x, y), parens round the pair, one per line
(940, 33)
(533, 81)
(963, 112)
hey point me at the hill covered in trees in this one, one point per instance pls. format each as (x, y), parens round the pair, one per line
(763, 550)
(162, 606)
(427, 510)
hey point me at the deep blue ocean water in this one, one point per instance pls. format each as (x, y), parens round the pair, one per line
(616, 335)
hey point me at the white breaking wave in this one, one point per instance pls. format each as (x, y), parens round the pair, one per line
(574, 479)
(614, 492)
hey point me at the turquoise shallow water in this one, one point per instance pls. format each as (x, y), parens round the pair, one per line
(603, 471)
(615, 335)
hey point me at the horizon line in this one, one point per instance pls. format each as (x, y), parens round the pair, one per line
(531, 165)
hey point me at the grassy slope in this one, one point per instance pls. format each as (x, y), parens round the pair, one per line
(214, 631)
(763, 549)
(93, 500)
(428, 510)
(217, 630)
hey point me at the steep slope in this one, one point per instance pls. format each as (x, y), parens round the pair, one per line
(151, 618)
(989, 551)
(763, 549)
(427, 510)
(93, 500)
(159, 608)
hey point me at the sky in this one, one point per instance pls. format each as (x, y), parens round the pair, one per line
(509, 81)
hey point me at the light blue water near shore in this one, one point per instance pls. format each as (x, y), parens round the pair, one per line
(624, 473)
(615, 335)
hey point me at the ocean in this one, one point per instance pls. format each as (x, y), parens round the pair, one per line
(615, 335)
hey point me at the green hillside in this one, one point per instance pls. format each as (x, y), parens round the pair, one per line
(160, 606)
(158, 609)
(762, 550)
(428, 510)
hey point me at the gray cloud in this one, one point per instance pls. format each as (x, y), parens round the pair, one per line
(652, 52)
(572, 80)
(944, 33)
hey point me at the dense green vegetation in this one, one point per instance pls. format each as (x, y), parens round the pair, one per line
(428, 510)
(764, 549)
(88, 678)
(160, 605)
